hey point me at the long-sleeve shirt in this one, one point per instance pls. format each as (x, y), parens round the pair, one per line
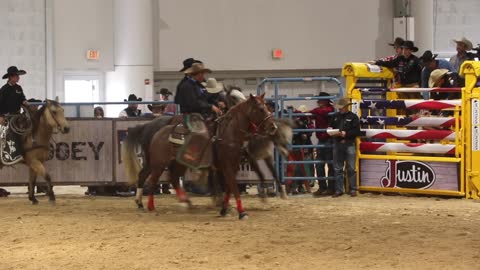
(11, 99)
(349, 123)
(441, 64)
(322, 120)
(191, 97)
(407, 69)
(457, 61)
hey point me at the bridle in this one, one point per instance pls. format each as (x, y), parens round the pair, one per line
(54, 119)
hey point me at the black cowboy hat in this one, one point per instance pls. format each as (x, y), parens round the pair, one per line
(428, 56)
(13, 70)
(324, 94)
(32, 100)
(165, 92)
(152, 106)
(409, 45)
(133, 97)
(398, 42)
(187, 63)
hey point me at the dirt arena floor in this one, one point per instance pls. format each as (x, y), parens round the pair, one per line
(367, 232)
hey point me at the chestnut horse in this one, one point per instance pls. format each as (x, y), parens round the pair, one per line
(234, 129)
(46, 121)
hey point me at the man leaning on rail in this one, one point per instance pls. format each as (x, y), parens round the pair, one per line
(344, 149)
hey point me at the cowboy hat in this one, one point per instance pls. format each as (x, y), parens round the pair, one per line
(428, 56)
(324, 94)
(133, 97)
(197, 68)
(151, 107)
(13, 70)
(398, 42)
(468, 43)
(165, 92)
(435, 76)
(213, 86)
(409, 45)
(303, 108)
(187, 63)
(32, 100)
(341, 103)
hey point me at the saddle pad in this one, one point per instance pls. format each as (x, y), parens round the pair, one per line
(10, 149)
(196, 153)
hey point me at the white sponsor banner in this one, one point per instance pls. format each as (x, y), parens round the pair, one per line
(475, 124)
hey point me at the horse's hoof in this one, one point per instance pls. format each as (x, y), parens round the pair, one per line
(151, 208)
(34, 201)
(283, 195)
(243, 216)
(140, 206)
(224, 212)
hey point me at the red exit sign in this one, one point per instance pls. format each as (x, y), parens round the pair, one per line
(277, 53)
(93, 54)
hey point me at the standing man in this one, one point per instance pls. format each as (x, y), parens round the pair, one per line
(344, 150)
(132, 109)
(322, 121)
(11, 94)
(170, 109)
(463, 46)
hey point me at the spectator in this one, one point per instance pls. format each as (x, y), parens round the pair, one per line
(170, 109)
(463, 46)
(397, 46)
(132, 109)
(156, 110)
(98, 112)
(407, 65)
(322, 121)
(298, 154)
(440, 78)
(430, 63)
(344, 150)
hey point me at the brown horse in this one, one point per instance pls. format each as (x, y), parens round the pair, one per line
(233, 130)
(47, 120)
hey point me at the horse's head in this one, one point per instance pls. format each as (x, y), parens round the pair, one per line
(55, 116)
(258, 114)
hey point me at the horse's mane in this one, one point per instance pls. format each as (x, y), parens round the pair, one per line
(37, 115)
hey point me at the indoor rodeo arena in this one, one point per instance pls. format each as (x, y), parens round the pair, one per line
(243, 135)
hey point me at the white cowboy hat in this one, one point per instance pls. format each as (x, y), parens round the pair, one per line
(213, 86)
(341, 103)
(303, 108)
(435, 76)
(197, 68)
(468, 43)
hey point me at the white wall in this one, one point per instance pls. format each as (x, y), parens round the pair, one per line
(239, 35)
(22, 43)
(422, 11)
(80, 26)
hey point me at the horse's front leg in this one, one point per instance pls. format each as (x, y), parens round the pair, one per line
(31, 186)
(254, 164)
(281, 186)
(40, 170)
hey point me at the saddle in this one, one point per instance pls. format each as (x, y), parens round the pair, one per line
(11, 149)
(193, 138)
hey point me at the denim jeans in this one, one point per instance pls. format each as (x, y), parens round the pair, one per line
(344, 153)
(325, 154)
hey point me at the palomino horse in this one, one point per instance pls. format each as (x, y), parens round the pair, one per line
(46, 121)
(233, 130)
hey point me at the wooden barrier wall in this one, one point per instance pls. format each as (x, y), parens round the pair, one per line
(91, 155)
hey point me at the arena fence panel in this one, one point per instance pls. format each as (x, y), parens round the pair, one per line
(407, 147)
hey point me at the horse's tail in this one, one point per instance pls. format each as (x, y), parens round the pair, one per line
(130, 159)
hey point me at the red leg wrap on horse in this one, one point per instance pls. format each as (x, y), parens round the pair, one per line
(226, 200)
(240, 206)
(151, 203)
(181, 194)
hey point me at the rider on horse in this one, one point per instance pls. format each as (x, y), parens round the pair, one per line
(11, 100)
(11, 94)
(196, 106)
